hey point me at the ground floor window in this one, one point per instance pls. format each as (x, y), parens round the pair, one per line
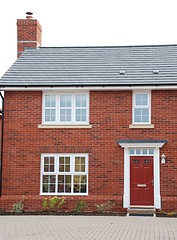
(64, 174)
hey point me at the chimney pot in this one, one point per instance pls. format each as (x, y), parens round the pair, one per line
(29, 15)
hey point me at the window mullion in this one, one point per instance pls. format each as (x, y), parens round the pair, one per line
(59, 108)
(56, 173)
(73, 108)
(72, 173)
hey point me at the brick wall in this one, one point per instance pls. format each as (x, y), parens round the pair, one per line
(29, 34)
(110, 116)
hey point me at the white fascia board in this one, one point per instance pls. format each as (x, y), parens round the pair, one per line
(145, 145)
(96, 88)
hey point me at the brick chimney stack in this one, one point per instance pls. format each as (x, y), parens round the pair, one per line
(29, 33)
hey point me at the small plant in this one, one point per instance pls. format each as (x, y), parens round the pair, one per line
(171, 214)
(80, 205)
(53, 203)
(102, 207)
(18, 207)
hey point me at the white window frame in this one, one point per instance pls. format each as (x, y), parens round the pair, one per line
(73, 108)
(56, 173)
(134, 106)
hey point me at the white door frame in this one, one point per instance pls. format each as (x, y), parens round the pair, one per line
(156, 162)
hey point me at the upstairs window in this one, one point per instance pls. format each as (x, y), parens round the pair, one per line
(66, 108)
(141, 108)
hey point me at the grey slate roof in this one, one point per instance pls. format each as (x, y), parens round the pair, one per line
(94, 66)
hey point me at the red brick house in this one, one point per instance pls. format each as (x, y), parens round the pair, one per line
(89, 123)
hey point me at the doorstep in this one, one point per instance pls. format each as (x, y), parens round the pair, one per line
(141, 211)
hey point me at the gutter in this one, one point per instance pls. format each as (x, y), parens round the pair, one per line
(91, 88)
(2, 135)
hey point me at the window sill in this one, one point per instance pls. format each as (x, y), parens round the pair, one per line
(64, 126)
(141, 126)
(63, 194)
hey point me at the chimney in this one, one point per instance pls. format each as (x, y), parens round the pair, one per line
(29, 33)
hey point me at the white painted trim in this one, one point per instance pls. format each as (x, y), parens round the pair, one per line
(135, 106)
(141, 126)
(96, 88)
(63, 126)
(30, 41)
(141, 145)
(156, 162)
(73, 108)
(72, 172)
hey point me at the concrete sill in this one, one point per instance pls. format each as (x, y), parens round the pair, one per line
(141, 126)
(64, 126)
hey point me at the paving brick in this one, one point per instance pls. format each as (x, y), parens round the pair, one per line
(86, 228)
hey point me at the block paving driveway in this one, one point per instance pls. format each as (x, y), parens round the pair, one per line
(86, 227)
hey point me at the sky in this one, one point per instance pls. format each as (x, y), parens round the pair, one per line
(89, 23)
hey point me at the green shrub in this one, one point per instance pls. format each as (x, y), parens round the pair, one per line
(18, 207)
(80, 206)
(53, 203)
(102, 207)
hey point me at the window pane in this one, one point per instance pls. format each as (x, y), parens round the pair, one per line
(145, 119)
(65, 100)
(65, 115)
(79, 164)
(64, 164)
(67, 183)
(50, 114)
(144, 151)
(50, 101)
(47, 101)
(53, 101)
(83, 179)
(48, 183)
(141, 99)
(47, 112)
(67, 160)
(67, 168)
(64, 183)
(48, 164)
(51, 160)
(80, 184)
(61, 159)
(138, 99)
(131, 150)
(145, 111)
(144, 99)
(137, 119)
(45, 188)
(141, 115)
(82, 160)
(137, 111)
(46, 160)
(138, 151)
(80, 115)
(77, 160)
(61, 179)
(81, 100)
(151, 151)
(61, 183)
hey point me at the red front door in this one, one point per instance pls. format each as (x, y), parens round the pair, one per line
(141, 180)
